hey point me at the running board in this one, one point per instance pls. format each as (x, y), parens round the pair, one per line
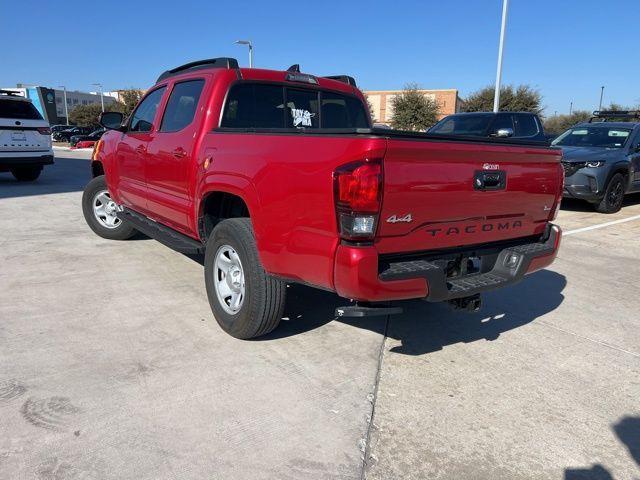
(367, 310)
(165, 235)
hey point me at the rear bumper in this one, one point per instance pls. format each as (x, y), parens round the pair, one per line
(21, 161)
(360, 274)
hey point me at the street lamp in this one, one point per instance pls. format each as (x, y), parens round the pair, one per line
(99, 85)
(248, 43)
(496, 96)
(601, 94)
(66, 111)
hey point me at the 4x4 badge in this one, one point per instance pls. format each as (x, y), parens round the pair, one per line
(395, 219)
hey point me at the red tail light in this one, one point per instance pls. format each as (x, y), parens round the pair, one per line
(44, 130)
(358, 195)
(359, 186)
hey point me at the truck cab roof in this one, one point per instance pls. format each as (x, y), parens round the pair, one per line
(342, 83)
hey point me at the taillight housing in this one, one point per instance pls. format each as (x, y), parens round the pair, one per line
(44, 130)
(358, 197)
(556, 206)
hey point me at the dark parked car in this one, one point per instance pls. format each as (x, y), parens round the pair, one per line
(65, 135)
(523, 125)
(93, 136)
(601, 160)
(59, 128)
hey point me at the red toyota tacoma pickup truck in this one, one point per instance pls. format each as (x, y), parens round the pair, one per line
(278, 177)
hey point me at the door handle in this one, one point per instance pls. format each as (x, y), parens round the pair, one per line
(179, 152)
(141, 149)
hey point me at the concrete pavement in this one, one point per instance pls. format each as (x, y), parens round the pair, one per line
(111, 365)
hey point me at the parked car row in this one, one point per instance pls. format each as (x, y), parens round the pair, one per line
(64, 135)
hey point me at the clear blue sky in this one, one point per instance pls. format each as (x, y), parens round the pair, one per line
(565, 48)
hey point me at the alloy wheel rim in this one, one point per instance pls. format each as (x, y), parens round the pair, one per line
(105, 210)
(229, 279)
(615, 194)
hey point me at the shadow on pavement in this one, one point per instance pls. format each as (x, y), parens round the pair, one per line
(65, 175)
(428, 327)
(574, 205)
(628, 432)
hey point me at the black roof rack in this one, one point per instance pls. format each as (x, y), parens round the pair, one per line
(343, 78)
(10, 93)
(222, 62)
(605, 115)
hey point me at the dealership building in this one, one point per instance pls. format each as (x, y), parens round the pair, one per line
(381, 101)
(50, 101)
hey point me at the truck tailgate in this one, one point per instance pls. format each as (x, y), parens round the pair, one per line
(445, 194)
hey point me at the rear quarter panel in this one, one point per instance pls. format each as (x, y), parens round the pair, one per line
(288, 188)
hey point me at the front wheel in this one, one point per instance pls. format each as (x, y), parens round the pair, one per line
(26, 174)
(613, 196)
(100, 212)
(246, 301)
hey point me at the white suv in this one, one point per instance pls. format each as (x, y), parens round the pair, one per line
(25, 138)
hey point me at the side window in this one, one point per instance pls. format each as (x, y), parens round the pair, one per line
(526, 125)
(181, 106)
(341, 111)
(502, 121)
(142, 119)
(302, 109)
(252, 105)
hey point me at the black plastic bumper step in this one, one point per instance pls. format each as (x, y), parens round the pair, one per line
(508, 265)
(165, 235)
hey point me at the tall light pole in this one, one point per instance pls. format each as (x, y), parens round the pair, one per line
(496, 96)
(250, 45)
(66, 110)
(99, 85)
(601, 95)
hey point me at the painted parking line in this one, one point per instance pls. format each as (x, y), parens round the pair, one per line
(601, 225)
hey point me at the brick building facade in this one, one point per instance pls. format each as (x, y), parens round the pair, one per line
(448, 100)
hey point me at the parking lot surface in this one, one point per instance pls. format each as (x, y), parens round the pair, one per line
(112, 366)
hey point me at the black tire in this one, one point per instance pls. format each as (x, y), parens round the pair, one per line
(613, 195)
(264, 297)
(27, 174)
(122, 231)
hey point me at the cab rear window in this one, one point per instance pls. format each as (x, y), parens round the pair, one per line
(19, 109)
(269, 106)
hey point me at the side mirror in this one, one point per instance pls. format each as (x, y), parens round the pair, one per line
(111, 120)
(504, 132)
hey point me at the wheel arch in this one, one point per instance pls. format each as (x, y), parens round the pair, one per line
(97, 168)
(220, 201)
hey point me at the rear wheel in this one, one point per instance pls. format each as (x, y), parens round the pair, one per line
(613, 196)
(246, 301)
(27, 174)
(100, 212)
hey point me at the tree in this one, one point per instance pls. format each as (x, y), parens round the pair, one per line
(412, 110)
(370, 107)
(520, 99)
(85, 115)
(559, 123)
(129, 99)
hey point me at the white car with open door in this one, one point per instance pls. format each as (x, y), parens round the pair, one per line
(25, 138)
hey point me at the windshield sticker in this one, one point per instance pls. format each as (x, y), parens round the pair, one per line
(301, 117)
(579, 132)
(618, 133)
